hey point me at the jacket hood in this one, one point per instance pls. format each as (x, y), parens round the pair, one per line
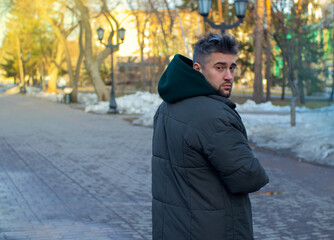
(180, 81)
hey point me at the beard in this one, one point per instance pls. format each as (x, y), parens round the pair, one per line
(225, 89)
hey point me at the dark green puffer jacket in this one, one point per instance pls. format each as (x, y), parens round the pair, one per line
(202, 165)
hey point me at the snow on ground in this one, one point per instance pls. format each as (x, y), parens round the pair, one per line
(138, 103)
(311, 138)
(267, 125)
(36, 92)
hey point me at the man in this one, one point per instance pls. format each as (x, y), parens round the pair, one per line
(202, 165)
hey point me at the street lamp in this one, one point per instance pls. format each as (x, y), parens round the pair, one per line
(240, 9)
(113, 48)
(23, 87)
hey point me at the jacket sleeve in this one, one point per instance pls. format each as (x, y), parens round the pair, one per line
(230, 154)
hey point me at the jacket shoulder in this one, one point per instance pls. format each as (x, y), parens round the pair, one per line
(206, 111)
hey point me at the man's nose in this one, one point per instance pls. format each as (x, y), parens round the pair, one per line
(228, 75)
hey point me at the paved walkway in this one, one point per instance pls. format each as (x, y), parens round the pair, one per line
(66, 174)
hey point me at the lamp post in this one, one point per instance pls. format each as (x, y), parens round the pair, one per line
(23, 87)
(240, 9)
(113, 48)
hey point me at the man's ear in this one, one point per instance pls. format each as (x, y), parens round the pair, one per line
(197, 66)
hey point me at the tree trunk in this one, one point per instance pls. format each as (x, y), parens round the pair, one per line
(42, 75)
(78, 66)
(162, 23)
(284, 80)
(186, 45)
(293, 86)
(141, 25)
(62, 39)
(91, 65)
(143, 69)
(268, 75)
(73, 83)
(292, 83)
(53, 76)
(293, 111)
(99, 86)
(53, 71)
(20, 61)
(220, 11)
(299, 54)
(258, 36)
(332, 93)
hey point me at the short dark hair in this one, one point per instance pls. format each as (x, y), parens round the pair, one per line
(214, 43)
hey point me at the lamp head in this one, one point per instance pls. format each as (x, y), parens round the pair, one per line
(121, 34)
(100, 32)
(240, 8)
(204, 7)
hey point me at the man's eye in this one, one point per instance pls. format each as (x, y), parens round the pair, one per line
(232, 69)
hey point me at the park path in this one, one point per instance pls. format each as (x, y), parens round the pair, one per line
(67, 174)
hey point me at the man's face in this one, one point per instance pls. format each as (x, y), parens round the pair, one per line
(219, 72)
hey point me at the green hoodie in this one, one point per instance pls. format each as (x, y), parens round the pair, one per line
(180, 81)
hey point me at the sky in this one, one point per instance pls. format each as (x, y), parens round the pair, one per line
(267, 125)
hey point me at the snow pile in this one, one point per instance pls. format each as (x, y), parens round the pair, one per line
(87, 98)
(9, 88)
(83, 98)
(91, 103)
(143, 103)
(311, 138)
(98, 107)
(138, 103)
(12, 90)
(251, 106)
(36, 92)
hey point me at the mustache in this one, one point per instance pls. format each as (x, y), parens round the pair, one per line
(225, 83)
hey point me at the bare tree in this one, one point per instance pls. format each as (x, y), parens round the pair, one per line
(62, 34)
(286, 44)
(142, 15)
(161, 17)
(332, 92)
(93, 62)
(258, 36)
(186, 45)
(80, 57)
(268, 50)
(299, 52)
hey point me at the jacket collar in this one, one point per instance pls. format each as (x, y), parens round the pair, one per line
(225, 100)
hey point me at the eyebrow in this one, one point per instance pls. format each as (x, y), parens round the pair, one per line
(225, 64)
